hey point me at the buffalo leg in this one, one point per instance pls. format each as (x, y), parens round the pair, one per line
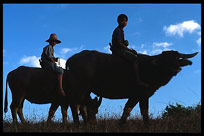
(128, 108)
(75, 109)
(83, 110)
(52, 110)
(144, 104)
(64, 113)
(20, 112)
(14, 109)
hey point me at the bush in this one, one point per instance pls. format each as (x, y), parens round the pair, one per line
(181, 111)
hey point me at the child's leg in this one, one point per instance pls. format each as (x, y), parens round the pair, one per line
(137, 75)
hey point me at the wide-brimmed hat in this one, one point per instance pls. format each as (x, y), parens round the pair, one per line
(53, 37)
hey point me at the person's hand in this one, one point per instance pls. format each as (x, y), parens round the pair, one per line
(52, 60)
(56, 59)
(126, 42)
(133, 51)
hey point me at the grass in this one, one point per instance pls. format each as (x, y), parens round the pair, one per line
(179, 122)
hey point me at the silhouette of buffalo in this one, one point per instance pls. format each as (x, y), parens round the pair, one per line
(112, 77)
(39, 86)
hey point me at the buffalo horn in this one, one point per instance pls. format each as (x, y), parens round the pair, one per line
(187, 55)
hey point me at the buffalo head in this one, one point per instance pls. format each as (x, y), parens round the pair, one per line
(173, 60)
(92, 108)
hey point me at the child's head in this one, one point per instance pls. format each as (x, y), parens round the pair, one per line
(122, 20)
(53, 43)
(53, 40)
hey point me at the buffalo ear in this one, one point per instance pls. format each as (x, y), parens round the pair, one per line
(95, 99)
(154, 62)
(99, 101)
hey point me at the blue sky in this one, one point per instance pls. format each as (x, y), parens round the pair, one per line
(151, 29)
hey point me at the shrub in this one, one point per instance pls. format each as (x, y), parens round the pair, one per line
(179, 110)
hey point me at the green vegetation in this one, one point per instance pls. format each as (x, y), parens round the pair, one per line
(174, 119)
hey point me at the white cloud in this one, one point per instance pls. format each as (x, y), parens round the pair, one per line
(143, 52)
(159, 47)
(179, 29)
(75, 49)
(199, 41)
(107, 49)
(65, 50)
(62, 63)
(30, 61)
(162, 44)
(156, 51)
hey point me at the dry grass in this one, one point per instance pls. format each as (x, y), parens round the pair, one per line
(183, 123)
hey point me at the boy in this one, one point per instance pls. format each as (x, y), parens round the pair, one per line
(119, 47)
(48, 60)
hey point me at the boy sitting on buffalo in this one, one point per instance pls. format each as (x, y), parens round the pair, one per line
(119, 47)
(48, 61)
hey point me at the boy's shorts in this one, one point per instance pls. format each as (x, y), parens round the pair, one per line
(127, 55)
(53, 67)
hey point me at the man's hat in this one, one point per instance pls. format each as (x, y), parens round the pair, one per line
(53, 37)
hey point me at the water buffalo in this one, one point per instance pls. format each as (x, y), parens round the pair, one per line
(111, 77)
(39, 86)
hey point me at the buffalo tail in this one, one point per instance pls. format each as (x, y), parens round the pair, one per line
(6, 99)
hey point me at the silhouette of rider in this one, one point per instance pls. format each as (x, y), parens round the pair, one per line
(119, 47)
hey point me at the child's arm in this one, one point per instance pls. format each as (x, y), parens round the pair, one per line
(123, 46)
